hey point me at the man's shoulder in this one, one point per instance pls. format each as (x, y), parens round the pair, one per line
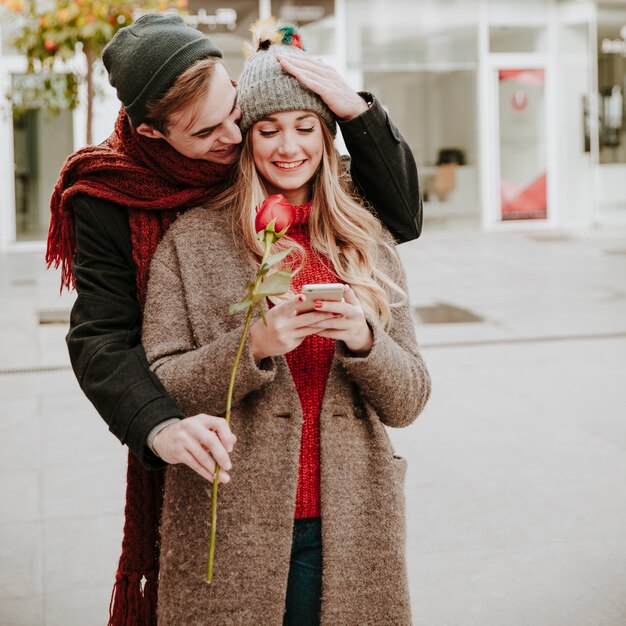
(98, 216)
(85, 204)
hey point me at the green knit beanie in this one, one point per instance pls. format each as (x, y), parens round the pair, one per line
(145, 59)
(264, 87)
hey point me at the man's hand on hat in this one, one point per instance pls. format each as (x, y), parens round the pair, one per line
(327, 83)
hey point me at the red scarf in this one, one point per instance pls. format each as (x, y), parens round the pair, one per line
(155, 183)
(145, 175)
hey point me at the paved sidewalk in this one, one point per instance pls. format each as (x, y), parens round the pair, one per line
(515, 489)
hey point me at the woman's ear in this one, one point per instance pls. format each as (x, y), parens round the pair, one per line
(148, 131)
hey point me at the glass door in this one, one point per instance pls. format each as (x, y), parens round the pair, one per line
(521, 142)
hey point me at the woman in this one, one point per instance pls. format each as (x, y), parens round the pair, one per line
(311, 524)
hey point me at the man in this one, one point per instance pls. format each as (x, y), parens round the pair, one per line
(173, 146)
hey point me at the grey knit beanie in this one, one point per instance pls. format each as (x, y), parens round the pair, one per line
(145, 59)
(264, 87)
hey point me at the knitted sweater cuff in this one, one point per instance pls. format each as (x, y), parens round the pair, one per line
(156, 430)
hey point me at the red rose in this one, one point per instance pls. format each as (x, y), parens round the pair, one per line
(274, 208)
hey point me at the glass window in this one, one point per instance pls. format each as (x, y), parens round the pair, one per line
(41, 143)
(420, 61)
(403, 32)
(436, 114)
(517, 39)
(612, 83)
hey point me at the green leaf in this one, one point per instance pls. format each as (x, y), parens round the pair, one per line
(275, 285)
(276, 258)
(240, 306)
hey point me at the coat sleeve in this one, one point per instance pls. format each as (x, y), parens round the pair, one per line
(392, 377)
(193, 374)
(104, 335)
(383, 170)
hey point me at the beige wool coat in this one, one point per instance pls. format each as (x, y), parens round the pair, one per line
(191, 340)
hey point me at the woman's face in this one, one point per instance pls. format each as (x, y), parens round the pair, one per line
(287, 149)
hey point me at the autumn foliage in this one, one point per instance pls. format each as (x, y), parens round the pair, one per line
(66, 29)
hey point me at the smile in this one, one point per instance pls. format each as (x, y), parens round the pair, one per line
(284, 165)
(224, 150)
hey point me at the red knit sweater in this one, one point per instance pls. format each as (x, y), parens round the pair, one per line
(309, 364)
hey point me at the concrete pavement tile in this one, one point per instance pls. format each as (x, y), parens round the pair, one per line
(20, 494)
(574, 584)
(531, 288)
(52, 346)
(27, 611)
(606, 426)
(19, 347)
(20, 434)
(493, 465)
(31, 384)
(515, 487)
(84, 607)
(21, 560)
(70, 402)
(81, 552)
(74, 433)
(92, 489)
(16, 387)
(429, 335)
(58, 383)
(610, 352)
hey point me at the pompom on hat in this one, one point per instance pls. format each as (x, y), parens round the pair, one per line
(264, 88)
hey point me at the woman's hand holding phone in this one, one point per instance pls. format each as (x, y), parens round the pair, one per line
(290, 322)
(286, 328)
(320, 291)
(347, 324)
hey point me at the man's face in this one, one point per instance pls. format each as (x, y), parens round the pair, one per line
(207, 130)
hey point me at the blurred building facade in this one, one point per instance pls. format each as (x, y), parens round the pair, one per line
(514, 109)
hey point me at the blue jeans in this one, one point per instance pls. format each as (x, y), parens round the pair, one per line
(304, 586)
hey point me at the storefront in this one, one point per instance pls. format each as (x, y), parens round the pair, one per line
(514, 109)
(490, 96)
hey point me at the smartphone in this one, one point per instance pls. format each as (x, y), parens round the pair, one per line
(320, 291)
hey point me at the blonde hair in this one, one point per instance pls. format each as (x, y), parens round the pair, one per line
(340, 228)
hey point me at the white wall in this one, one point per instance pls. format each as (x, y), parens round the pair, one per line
(573, 163)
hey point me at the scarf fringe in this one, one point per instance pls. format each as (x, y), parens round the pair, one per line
(61, 248)
(131, 605)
